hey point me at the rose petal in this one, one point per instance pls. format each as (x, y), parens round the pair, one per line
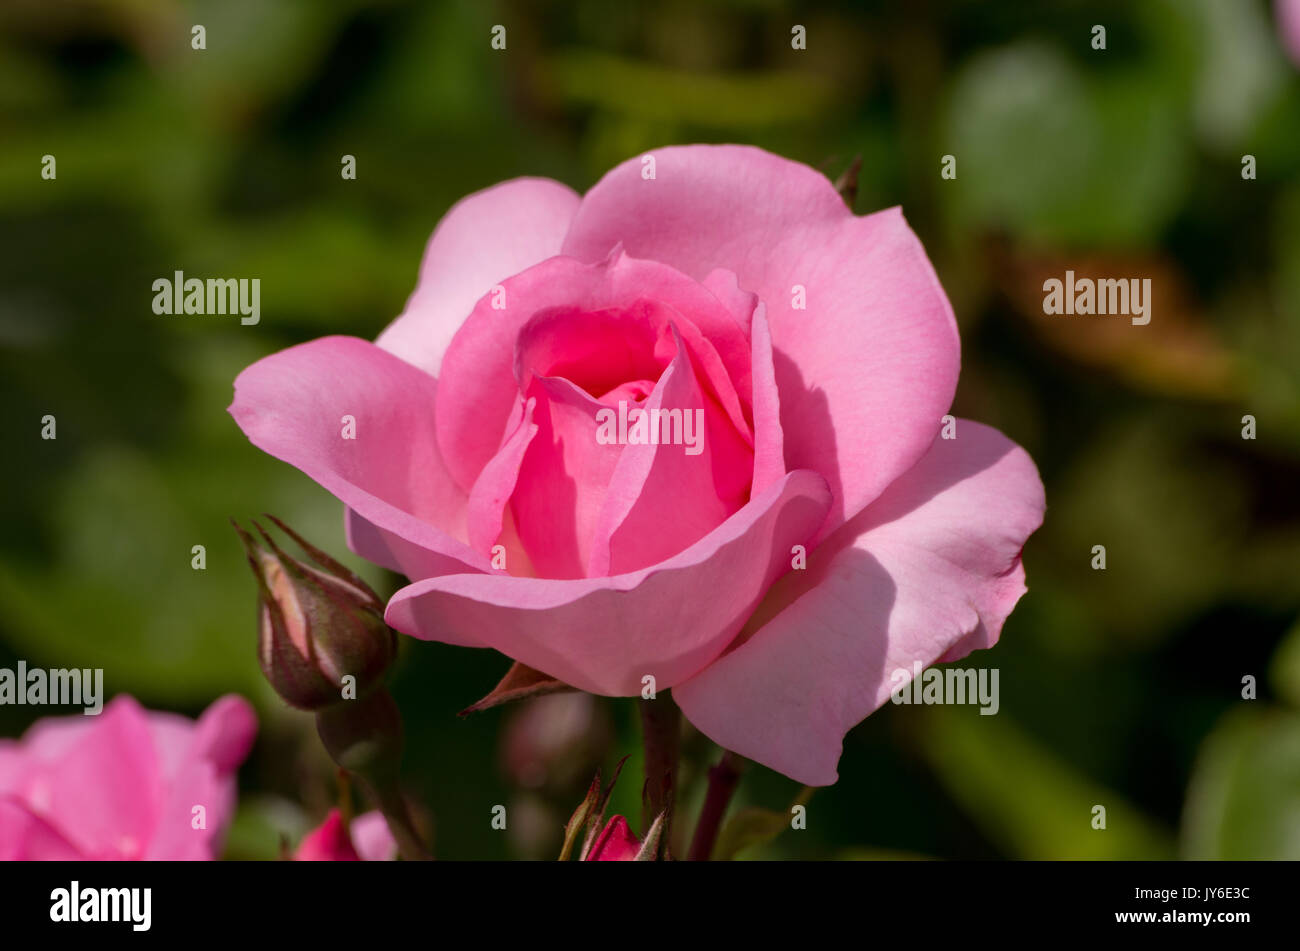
(769, 442)
(224, 733)
(932, 565)
(478, 387)
(26, 837)
(562, 479)
(739, 302)
(105, 791)
(484, 238)
(292, 403)
(662, 499)
(604, 634)
(496, 483)
(182, 832)
(199, 770)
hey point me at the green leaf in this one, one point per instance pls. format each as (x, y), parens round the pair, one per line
(1243, 801)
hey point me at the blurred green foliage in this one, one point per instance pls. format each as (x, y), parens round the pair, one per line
(1120, 688)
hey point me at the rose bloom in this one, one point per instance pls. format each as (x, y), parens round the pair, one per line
(124, 784)
(817, 536)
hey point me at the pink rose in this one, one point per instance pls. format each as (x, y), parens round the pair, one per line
(367, 838)
(127, 784)
(820, 353)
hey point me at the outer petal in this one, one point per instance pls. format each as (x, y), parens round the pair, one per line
(291, 404)
(26, 837)
(224, 733)
(199, 763)
(175, 838)
(44, 744)
(104, 793)
(223, 736)
(604, 634)
(481, 241)
(867, 370)
(932, 565)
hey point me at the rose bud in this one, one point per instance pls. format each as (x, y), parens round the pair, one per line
(612, 841)
(616, 843)
(317, 625)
